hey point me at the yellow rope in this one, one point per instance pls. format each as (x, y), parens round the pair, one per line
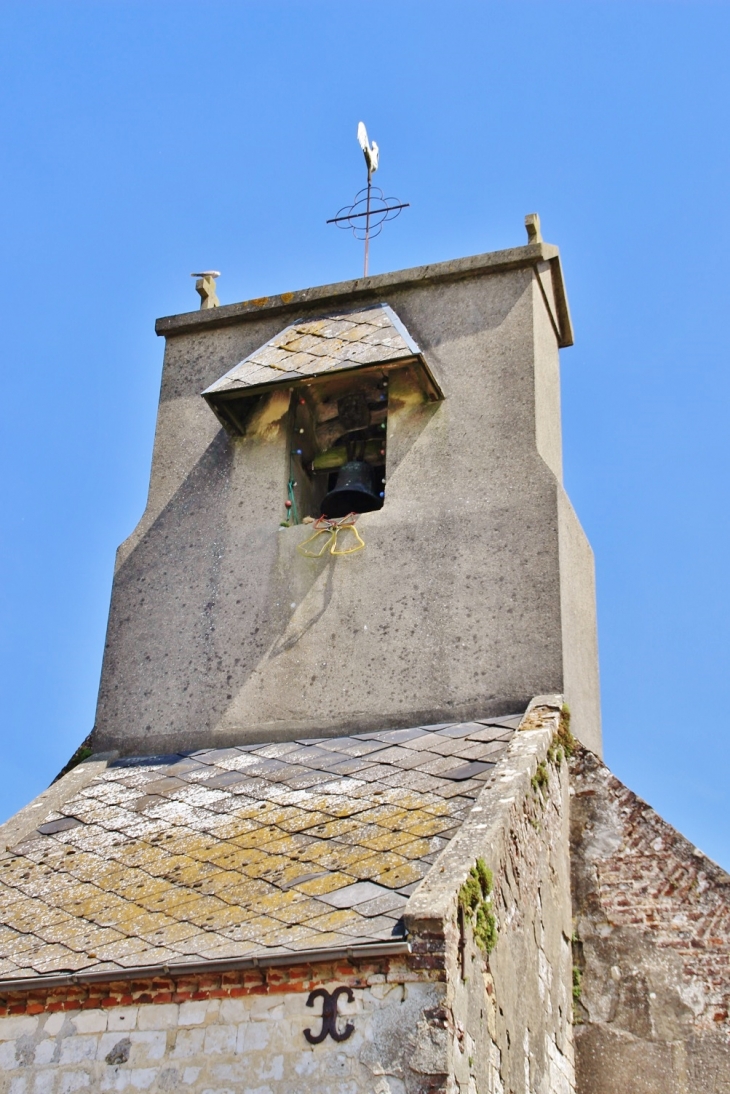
(331, 529)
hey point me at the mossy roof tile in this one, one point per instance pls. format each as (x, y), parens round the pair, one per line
(234, 852)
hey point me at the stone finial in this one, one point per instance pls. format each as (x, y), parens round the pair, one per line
(532, 223)
(205, 286)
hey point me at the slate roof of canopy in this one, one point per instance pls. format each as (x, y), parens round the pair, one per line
(238, 852)
(311, 347)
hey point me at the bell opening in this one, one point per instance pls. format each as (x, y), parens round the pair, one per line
(338, 447)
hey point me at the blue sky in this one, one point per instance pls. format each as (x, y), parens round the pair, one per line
(141, 141)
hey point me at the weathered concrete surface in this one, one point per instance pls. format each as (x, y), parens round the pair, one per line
(220, 632)
(511, 1012)
(366, 288)
(577, 577)
(652, 950)
(578, 623)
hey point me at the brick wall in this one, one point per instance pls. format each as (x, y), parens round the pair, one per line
(652, 947)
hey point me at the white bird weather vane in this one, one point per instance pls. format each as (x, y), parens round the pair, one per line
(370, 151)
(370, 209)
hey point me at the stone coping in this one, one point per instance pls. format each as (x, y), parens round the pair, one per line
(373, 288)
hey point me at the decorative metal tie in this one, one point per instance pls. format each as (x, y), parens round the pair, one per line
(371, 208)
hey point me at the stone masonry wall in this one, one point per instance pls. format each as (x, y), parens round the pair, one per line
(236, 1032)
(509, 1012)
(529, 976)
(652, 948)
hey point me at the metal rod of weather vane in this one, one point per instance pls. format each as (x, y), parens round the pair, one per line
(367, 226)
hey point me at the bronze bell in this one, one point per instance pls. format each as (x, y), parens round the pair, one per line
(353, 492)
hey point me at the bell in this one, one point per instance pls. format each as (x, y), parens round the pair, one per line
(353, 492)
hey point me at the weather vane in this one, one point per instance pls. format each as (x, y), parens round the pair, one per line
(370, 209)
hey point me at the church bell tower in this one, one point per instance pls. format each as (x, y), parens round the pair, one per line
(427, 404)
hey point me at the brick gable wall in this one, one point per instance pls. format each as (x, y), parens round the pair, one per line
(651, 949)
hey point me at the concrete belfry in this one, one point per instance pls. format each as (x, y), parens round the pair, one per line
(475, 590)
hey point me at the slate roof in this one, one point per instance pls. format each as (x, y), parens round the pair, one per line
(230, 853)
(310, 347)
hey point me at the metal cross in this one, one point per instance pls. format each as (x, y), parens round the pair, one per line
(370, 203)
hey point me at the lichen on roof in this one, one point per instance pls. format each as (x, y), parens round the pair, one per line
(230, 853)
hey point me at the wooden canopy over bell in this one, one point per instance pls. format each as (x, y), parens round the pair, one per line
(309, 350)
